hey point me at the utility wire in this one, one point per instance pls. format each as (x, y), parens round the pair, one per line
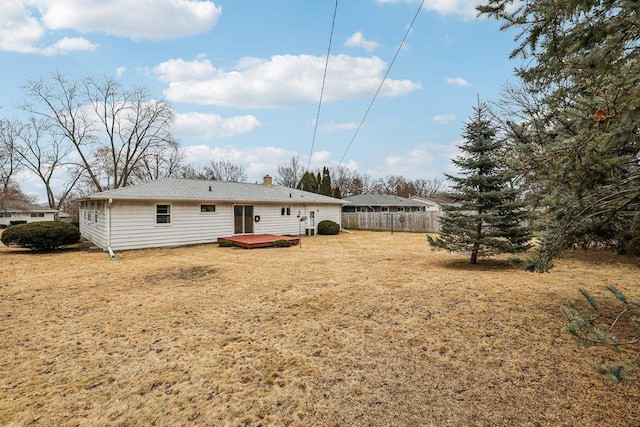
(382, 82)
(324, 78)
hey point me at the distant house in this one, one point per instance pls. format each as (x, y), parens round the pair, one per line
(172, 212)
(381, 203)
(433, 204)
(20, 212)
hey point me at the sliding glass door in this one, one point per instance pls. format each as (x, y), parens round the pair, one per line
(242, 219)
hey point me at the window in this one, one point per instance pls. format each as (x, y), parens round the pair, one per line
(207, 208)
(163, 214)
(285, 210)
(385, 209)
(89, 216)
(400, 209)
(37, 215)
(5, 214)
(95, 217)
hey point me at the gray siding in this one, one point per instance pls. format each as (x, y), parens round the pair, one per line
(92, 230)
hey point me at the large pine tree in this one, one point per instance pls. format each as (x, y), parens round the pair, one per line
(577, 128)
(488, 214)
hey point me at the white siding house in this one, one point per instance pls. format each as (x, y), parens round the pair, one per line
(173, 212)
(24, 212)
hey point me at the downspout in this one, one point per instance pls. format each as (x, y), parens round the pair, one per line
(112, 254)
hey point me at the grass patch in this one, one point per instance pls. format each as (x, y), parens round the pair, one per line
(392, 334)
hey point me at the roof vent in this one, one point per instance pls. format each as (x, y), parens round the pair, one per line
(267, 181)
(209, 188)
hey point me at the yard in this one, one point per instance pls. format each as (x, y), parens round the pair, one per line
(364, 329)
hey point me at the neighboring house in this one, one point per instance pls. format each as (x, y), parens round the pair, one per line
(173, 212)
(12, 212)
(433, 204)
(381, 203)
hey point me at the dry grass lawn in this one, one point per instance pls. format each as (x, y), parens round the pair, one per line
(365, 329)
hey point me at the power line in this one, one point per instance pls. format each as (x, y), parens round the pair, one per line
(382, 82)
(324, 78)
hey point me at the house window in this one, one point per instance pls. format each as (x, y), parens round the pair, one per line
(385, 209)
(207, 208)
(37, 215)
(89, 216)
(400, 209)
(5, 215)
(163, 214)
(285, 210)
(95, 217)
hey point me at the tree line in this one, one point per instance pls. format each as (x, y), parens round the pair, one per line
(91, 134)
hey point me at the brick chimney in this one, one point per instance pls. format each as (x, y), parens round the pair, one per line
(267, 181)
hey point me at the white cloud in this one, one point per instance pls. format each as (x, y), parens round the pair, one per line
(257, 161)
(69, 44)
(25, 23)
(333, 126)
(135, 19)
(120, 71)
(358, 40)
(212, 126)
(414, 164)
(465, 9)
(19, 30)
(457, 81)
(443, 119)
(283, 80)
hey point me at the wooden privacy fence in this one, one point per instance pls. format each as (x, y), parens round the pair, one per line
(417, 222)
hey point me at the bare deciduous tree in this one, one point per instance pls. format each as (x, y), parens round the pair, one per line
(428, 187)
(111, 128)
(10, 163)
(223, 170)
(160, 162)
(290, 174)
(46, 155)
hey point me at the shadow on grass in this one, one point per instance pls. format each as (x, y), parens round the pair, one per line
(599, 257)
(14, 250)
(482, 265)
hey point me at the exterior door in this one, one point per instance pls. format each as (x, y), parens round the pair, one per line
(242, 219)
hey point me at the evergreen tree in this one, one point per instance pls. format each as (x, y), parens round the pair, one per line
(336, 193)
(308, 182)
(488, 213)
(325, 183)
(577, 136)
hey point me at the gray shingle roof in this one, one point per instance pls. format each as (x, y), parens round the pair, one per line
(381, 200)
(200, 190)
(12, 206)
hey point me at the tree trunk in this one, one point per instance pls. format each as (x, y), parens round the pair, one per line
(476, 245)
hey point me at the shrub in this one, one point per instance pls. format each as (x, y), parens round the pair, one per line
(282, 243)
(41, 236)
(224, 243)
(328, 227)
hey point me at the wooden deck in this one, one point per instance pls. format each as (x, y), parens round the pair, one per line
(250, 241)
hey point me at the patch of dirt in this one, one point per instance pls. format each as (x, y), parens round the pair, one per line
(182, 274)
(363, 329)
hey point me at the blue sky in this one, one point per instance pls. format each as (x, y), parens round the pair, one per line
(244, 76)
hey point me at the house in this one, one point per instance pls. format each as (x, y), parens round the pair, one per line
(434, 203)
(381, 203)
(12, 212)
(173, 212)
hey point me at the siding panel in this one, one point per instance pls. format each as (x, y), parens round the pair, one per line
(133, 223)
